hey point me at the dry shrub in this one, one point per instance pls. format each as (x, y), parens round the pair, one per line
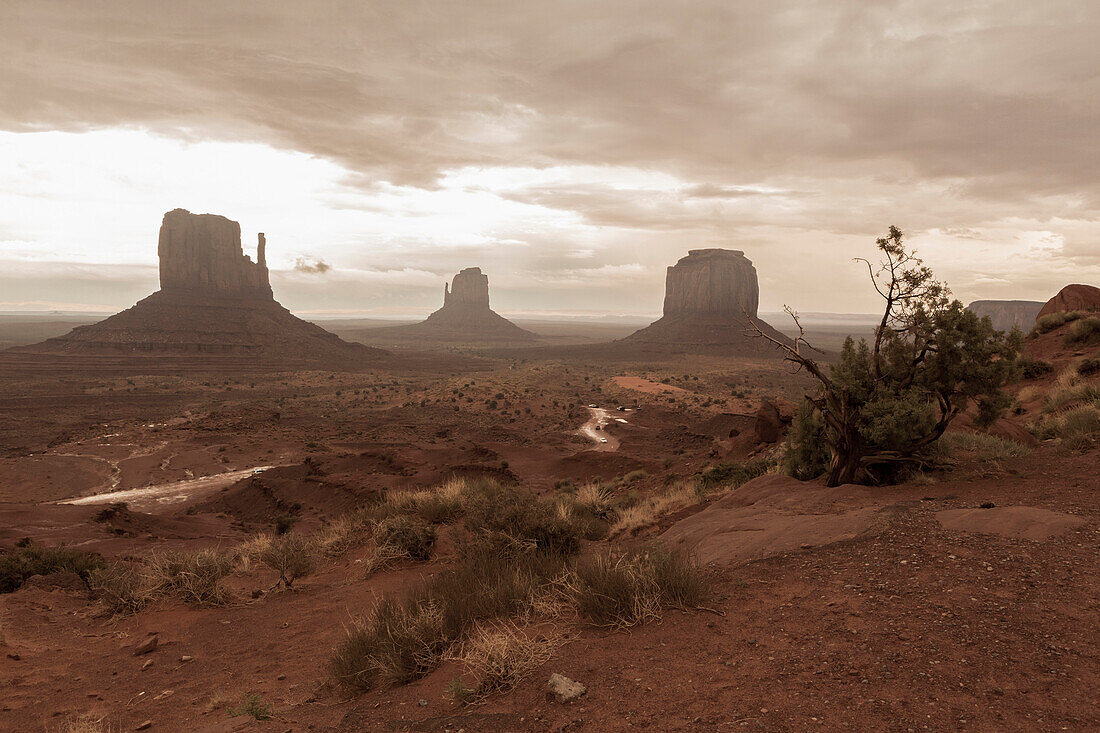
(647, 511)
(415, 538)
(1084, 332)
(497, 657)
(337, 537)
(1078, 426)
(193, 577)
(1051, 321)
(1068, 390)
(405, 638)
(291, 557)
(597, 499)
(86, 723)
(122, 587)
(621, 590)
(983, 446)
(246, 554)
(512, 510)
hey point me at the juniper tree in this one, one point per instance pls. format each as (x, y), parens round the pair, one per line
(882, 404)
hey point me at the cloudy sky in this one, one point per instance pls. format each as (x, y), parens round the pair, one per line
(572, 150)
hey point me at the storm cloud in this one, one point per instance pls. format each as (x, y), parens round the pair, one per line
(628, 131)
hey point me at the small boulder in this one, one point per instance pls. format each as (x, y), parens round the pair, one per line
(563, 689)
(769, 424)
(146, 646)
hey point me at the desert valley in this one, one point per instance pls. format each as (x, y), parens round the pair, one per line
(213, 512)
(549, 367)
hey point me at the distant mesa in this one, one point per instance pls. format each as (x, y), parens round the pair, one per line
(213, 301)
(711, 298)
(465, 315)
(1008, 314)
(1073, 298)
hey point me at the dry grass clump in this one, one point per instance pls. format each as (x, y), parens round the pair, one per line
(1084, 332)
(647, 511)
(496, 658)
(597, 498)
(519, 513)
(1078, 427)
(629, 589)
(86, 723)
(194, 578)
(248, 553)
(405, 638)
(411, 537)
(291, 556)
(983, 446)
(1051, 321)
(1070, 389)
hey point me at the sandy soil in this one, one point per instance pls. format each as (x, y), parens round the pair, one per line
(899, 608)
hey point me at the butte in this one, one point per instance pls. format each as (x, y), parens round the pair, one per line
(214, 307)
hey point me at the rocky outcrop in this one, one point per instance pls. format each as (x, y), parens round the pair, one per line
(464, 318)
(201, 253)
(1007, 314)
(213, 302)
(711, 301)
(712, 283)
(1073, 298)
(469, 289)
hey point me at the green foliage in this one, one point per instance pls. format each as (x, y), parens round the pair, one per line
(253, 706)
(23, 562)
(1089, 367)
(807, 454)
(1052, 321)
(731, 475)
(1033, 368)
(884, 403)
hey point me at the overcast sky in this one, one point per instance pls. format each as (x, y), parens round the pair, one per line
(572, 150)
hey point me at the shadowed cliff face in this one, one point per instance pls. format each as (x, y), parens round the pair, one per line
(711, 300)
(1008, 314)
(202, 253)
(469, 288)
(717, 283)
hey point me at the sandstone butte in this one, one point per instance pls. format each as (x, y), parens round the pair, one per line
(213, 301)
(711, 300)
(1008, 314)
(466, 315)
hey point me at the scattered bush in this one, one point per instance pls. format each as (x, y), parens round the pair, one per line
(1033, 368)
(629, 589)
(252, 705)
(122, 587)
(984, 446)
(23, 562)
(404, 639)
(1079, 426)
(414, 538)
(731, 475)
(284, 523)
(1068, 390)
(1084, 332)
(291, 557)
(1088, 367)
(498, 657)
(519, 513)
(1051, 321)
(192, 577)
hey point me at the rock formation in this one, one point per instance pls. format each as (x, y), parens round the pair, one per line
(213, 301)
(201, 253)
(711, 300)
(1073, 298)
(465, 316)
(1008, 314)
